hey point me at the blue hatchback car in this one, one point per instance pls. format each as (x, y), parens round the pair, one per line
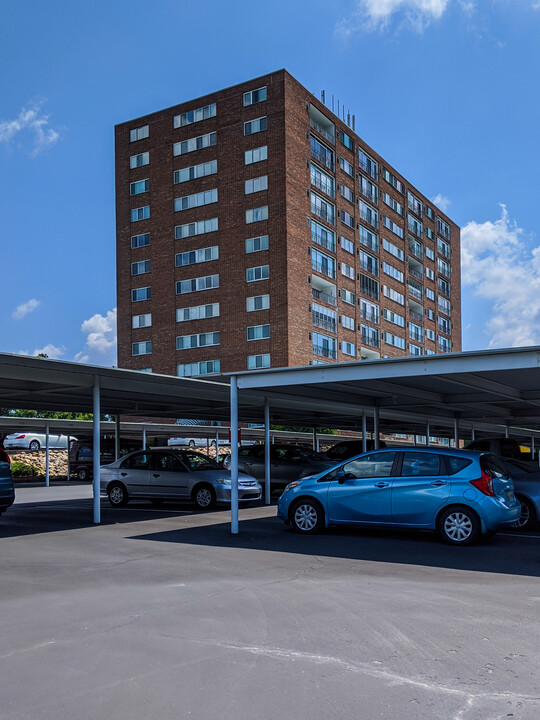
(462, 495)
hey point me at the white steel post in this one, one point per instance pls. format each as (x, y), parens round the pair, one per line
(217, 444)
(68, 469)
(364, 432)
(315, 438)
(144, 438)
(97, 451)
(473, 434)
(532, 448)
(376, 428)
(427, 433)
(47, 454)
(456, 433)
(506, 431)
(234, 455)
(266, 451)
(117, 437)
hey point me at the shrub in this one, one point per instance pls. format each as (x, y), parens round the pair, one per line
(22, 469)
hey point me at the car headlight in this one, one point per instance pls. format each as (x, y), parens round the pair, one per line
(223, 481)
(291, 485)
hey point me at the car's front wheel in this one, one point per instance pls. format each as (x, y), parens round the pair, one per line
(307, 516)
(459, 525)
(204, 497)
(527, 519)
(117, 494)
(34, 445)
(82, 474)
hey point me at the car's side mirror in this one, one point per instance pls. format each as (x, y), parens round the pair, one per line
(341, 476)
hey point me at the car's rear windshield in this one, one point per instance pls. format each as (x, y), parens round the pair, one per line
(493, 466)
(456, 464)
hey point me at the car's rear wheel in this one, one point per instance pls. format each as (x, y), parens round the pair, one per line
(34, 445)
(191, 443)
(82, 473)
(204, 497)
(117, 494)
(307, 516)
(527, 519)
(459, 525)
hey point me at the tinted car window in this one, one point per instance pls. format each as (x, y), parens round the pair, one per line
(419, 464)
(253, 451)
(310, 455)
(85, 453)
(168, 462)
(341, 450)
(139, 461)
(456, 464)
(480, 445)
(195, 461)
(370, 466)
(493, 466)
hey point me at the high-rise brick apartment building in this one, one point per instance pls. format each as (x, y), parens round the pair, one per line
(256, 229)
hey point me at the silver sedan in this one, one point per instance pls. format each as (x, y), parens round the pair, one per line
(167, 474)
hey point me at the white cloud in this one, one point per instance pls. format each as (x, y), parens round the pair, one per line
(502, 268)
(376, 14)
(50, 350)
(442, 202)
(25, 308)
(100, 347)
(32, 124)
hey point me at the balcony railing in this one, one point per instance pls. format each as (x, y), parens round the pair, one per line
(369, 267)
(369, 195)
(325, 351)
(416, 250)
(369, 218)
(325, 323)
(324, 268)
(369, 168)
(415, 335)
(324, 296)
(370, 316)
(415, 228)
(415, 293)
(371, 243)
(324, 186)
(416, 316)
(370, 340)
(324, 214)
(444, 348)
(415, 273)
(324, 158)
(323, 242)
(319, 128)
(370, 292)
(415, 208)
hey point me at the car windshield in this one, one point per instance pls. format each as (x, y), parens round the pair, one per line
(196, 461)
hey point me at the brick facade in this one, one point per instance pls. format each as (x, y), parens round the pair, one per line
(294, 279)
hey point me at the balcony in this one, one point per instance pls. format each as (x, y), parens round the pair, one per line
(325, 351)
(416, 269)
(325, 323)
(319, 128)
(415, 335)
(370, 195)
(368, 167)
(324, 296)
(416, 316)
(369, 340)
(369, 267)
(369, 218)
(416, 248)
(325, 214)
(328, 244)
(321, 124)
(323, 157)
(324, 269)
(415, 292)
(369, 241)
(325, 187)
(415, 273)
(369, 316)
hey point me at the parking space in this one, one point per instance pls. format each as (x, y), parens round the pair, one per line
(163, 613)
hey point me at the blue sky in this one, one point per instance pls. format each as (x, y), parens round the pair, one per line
(446, 90)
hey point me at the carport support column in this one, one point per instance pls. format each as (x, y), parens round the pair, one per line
(456, 433)
(97, 450)
(46, 454)
(376, 428)
(315, 438)
(267, 451)
(473, 435)
(234, 455)
(144, 438)
(427, 433)
(117, 437)
(68, 469)
(506, 431)
(364, 432)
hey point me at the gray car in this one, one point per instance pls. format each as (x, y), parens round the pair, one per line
(167, 474)
(526, 477)
(287, 463)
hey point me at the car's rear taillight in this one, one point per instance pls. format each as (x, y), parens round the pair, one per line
(20, 437)
(484, 484)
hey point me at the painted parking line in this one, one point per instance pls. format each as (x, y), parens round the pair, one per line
(517, 535)
(88, 504)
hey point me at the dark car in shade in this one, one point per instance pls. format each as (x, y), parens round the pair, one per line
(7, 492)
(349, 448)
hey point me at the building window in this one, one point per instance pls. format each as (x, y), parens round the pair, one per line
(139, 187)
(394, 340)
(322, 263)
(346, 193)
(443, 286)
(368, 189)
(430, 254)
(368, 214)
(443, 267)
(256, 244)
(430, 274)
(139, 133)
(444, 325)
(138, 241)
(429, 212)
(346, 140)
(256, 184)
(197, 312)
(429, 233)
(257, 273)
(195, 171)
(346, 166)
(254, 126)
(187, 202)
(430, 314)
(392, 226)
(140, 268)
(414, 204)
(255, 96)
(321, 180)
(254, 362)
(195, 228)
(258, 332)
(369, 335)
(256, 155)
(415, 349)
(393, 181)
(323, 209)
(208, 282)
(141, 348)
(443, 304)
(443, 247)
(136, 161)
(324, 345)
(324, 318)
(347, 245)
(394, 295)
(443, 228)
(392, 272)
(185, 342)
(141, 321)
(257, 302)
(369, 286)
(347, 270)
(348, 348)
(445, 345)
(142, 213)
(430, 334)
(346, 218)
(196, 143)
(194, 116)
(393, 317)
(138, 294)
(368, 262)
(347, 322)
(369, 311)
(368, 164)
(320, 152)
(368, 238)
(322, 236)
(193, 257)
(206, 367)
(391, 202)
(414, 225)
(393, 249)
(257, 214)
(416, 332)
(348, 297)
(430, 295)
(415, 246)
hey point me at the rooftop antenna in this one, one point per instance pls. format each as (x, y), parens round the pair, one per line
(323, 97)
(353, 122)
(349, 118)
(332, 103)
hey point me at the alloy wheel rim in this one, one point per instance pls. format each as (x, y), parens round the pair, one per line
(117, 495)
(305, 517)
(204, 497)
(458, 526)
(524, 517)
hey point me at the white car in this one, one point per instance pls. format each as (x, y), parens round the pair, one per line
(36, 441)
(189, 442)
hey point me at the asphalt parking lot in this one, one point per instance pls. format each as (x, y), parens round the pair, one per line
(162, 614)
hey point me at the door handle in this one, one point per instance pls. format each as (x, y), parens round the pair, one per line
(123, 474)
(438, 483)
(381, 484)
(155, 475)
